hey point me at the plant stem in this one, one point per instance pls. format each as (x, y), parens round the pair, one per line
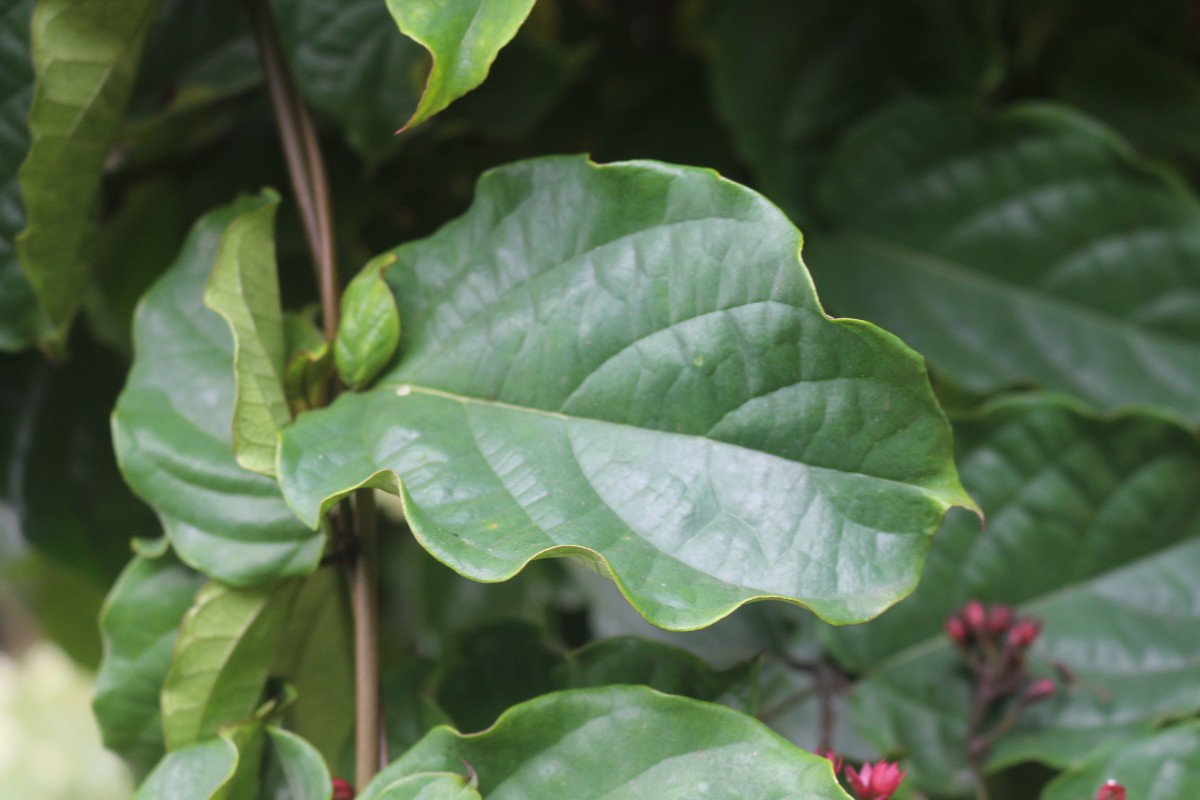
(364, 595)
(305, 166)
(306, 169)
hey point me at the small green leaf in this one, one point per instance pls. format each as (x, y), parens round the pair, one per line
(85, 53)
(430, 786)
(194, 773)
(172, 430)
(140, 624)
(1093, 527)
(19, 316)
(620, 741)
(1016, 248)
(463, 36)
(294, 769)
(628, 364)
(370, 326)
(222, 659)
(1164, 766)
(309, 366)
(244, 290)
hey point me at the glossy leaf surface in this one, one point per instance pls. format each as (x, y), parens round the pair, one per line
(1021, 248)
(172, 429)
(1092, 527)
(294, 769)
(463, 37)
(1162, 766)
(790, 77)
(140, 624)
(620, 742)
(18, 307)
(430, 786)
(628, 364)
(370, 326)
(194, 773)
(85, 54)
(244, 290)
(224, 654)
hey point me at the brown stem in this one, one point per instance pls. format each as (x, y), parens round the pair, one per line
(306, 169)
(364, 596)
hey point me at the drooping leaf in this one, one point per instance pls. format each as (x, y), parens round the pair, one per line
(791, 77)
(172, 429)
(244, 290)
(194, 773)
(18, 307)
(1093, 527)
(628, 364)
(294, 769)
(620, 741)
(463, 37)
(140, 624)
(1022, 247)
(224, 654)
(85, 54)
(430, 786)
(370, 325)
(1164, 766)
(351, 63)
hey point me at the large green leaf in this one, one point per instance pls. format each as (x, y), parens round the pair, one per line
(429, 786)
(172, 429)
(1094, 527)
(244, 289)
(463, 37)
(194, 773)
(1021, 247)
(620, 742)
(351, 63)
(628, 364)
(140, 624)
(18, 308)
(790, 76)
(85, 53)
(293, 769)
(222, 660)
(1160, 766)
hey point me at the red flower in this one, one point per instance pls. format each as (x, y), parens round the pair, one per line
(342, 790)
(956, 629)
(975, 616)
(833, 758)
(1111, 791)
(875, 781)
(1000, 617)
(1024, 633)
(1039, 690)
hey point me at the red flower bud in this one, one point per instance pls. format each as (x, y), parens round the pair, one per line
(833, 758)
(1024, 633)
(1039, 690)
(1000, 617)
(975, 616)
(956, 629)
(875, 781)
(1111, 790)
(342, 790)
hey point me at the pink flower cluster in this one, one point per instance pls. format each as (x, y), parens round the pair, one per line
(342, 790)
(872, 781)
(1111, 790)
